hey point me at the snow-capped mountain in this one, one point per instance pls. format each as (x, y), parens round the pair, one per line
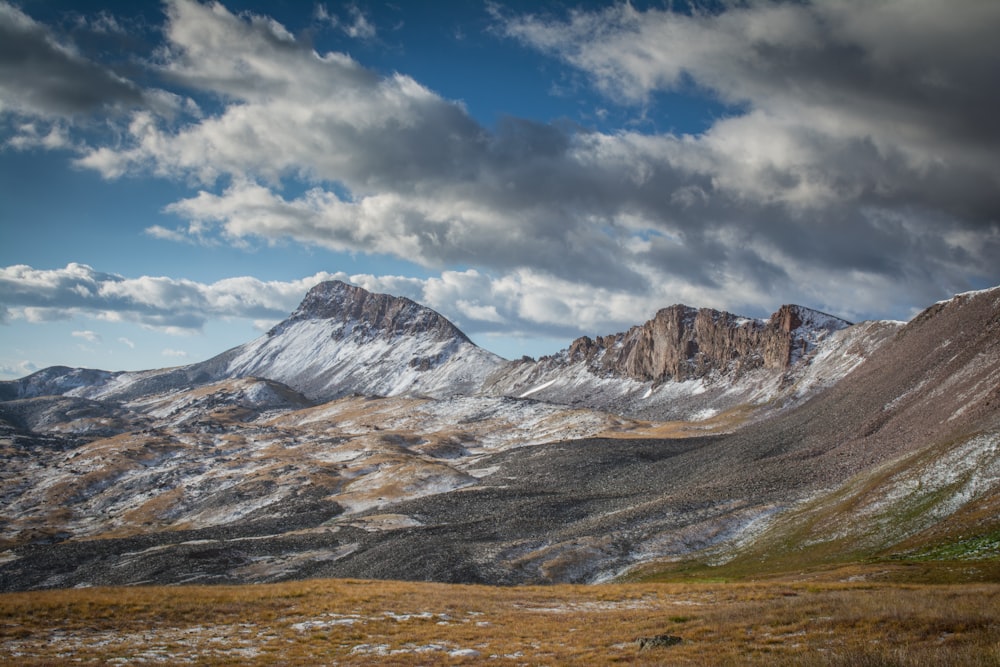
(684, 363)
(343, 339)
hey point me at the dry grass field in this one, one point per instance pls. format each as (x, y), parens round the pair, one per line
(842, 618)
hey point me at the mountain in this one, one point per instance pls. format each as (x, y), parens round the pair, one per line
(918, 431)
(684, 363)
(688, 363)
(343, 339)
(289, 457)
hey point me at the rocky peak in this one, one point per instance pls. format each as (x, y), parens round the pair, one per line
(376, 315)
(682, 342)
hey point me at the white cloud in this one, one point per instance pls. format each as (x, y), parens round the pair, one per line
(264, 325)
(52, 136)
(87, 335)
(164, 234)
(421, 180)
(357, 25)
(170, 352)
(102, 22)
(17, 369)
(860, 153)
(126, 342)
(912, 80)
(167, 304)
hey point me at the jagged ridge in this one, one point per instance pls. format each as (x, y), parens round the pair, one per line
(685, 363)
(683, 343)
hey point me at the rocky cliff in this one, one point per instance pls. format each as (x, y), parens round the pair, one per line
(683, 343)
(688, 363)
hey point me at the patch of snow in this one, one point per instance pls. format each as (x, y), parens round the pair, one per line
(841, 352)
(538, 388)
(382, 522)
(702, 415)
(464, 653)
(966, 472)
(306, 626)
(370, 649)
(970, 294)
(479, 473)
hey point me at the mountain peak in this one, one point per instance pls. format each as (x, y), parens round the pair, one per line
(343, 339)
(377, 315)
(334, 298)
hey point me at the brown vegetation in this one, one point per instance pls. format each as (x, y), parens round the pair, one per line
(346, 622)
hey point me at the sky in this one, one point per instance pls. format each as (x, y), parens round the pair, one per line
(175, 176)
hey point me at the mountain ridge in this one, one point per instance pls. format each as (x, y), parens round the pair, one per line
(343, 339)
(378, 313)
(865, 446)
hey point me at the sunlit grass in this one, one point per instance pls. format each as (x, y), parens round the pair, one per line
(359, 622)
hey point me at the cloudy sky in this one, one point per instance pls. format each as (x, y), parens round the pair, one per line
(174, 177)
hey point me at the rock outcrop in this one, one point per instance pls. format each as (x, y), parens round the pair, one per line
(683, 343)
(688, 363)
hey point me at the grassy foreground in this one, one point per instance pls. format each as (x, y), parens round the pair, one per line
(345, 622)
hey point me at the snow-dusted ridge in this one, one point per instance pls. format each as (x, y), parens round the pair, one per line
(343, 340)
(241, 468)
(686, 363)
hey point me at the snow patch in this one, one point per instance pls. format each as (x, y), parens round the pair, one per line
(702, 415)
(538, 388)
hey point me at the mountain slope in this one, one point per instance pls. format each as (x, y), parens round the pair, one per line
(688, 363)
(913, 436)
(343, 339)
(880, 462)
(884, 440)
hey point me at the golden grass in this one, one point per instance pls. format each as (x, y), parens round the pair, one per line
(724, 422)
(347, 622)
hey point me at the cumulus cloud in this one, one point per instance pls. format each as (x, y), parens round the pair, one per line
(856, 168)
(880, 103)
(31, 135)
(87, 335)
(18, 369)
(516, 304)
(173, 305)
(41, 75)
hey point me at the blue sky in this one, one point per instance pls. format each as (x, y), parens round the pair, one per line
(175, 176)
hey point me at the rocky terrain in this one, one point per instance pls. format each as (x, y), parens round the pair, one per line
(365, 436)
(689, 363)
